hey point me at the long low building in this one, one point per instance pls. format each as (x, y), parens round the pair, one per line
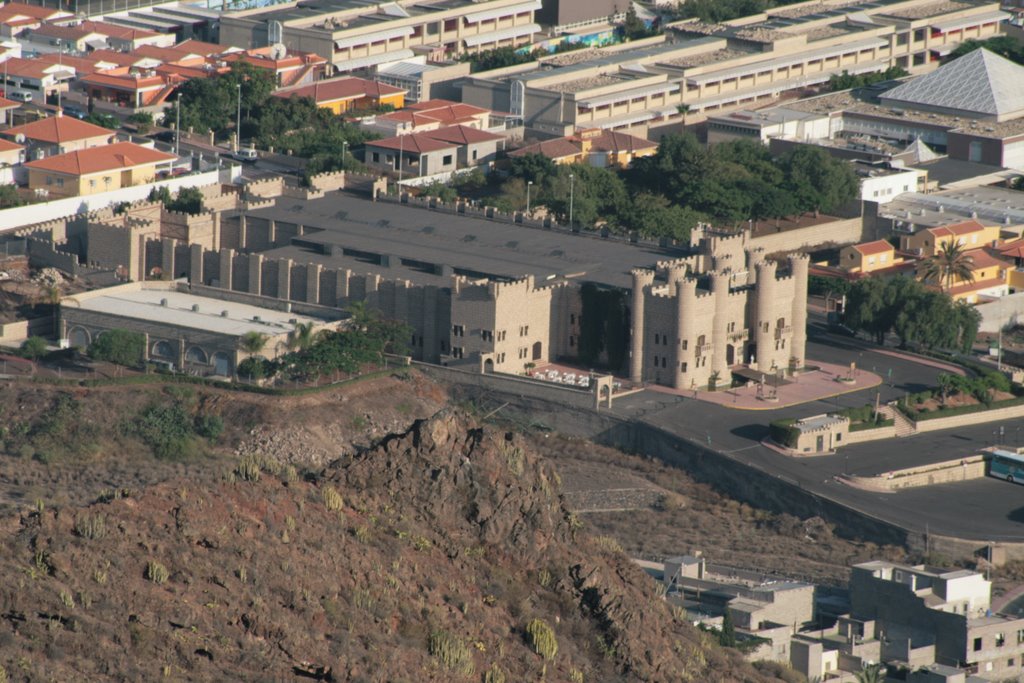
(185, 330)
(699, 69)
(356, 35)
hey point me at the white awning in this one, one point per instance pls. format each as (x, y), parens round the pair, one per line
(973, 20)
(506, 11)
(504, 34)
(367, 38)
(373, 60)
(622, 95)
(791, 60)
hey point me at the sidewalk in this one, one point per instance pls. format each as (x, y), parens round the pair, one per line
(812, 386)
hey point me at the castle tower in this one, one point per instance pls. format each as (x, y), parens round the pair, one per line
(799, 263)
(686, 330)
(767, 289)
(641, 280)
(719, 336)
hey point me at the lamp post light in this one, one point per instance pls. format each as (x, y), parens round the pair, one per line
(344, 152)
(529, 184)
(572, 188)
(238, 119)
(177, 127)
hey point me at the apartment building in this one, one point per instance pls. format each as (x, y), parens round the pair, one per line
(700, 69)
(357, 35)
(920, 606)
(35, 78)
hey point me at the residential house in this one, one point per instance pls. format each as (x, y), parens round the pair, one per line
(16, 17)
(949, 609)
(341, 95)
(97, 169)
(58, 134)
(868, 257)
(126, 38)
(131, 88)
(430, 115)
(62, 38)
(476, 147)
(11, 156)
(594, 146)
(36, 78)
(289, 68)
(988, 279)
(412, 155)
(970, 234)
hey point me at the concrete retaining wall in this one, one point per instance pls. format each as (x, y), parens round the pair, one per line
(870, 435)
(968, 419)
(845, 231)
(17, 332)
(1006, 310)
(937, 473)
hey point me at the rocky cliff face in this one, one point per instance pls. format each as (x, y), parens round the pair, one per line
(442, 553)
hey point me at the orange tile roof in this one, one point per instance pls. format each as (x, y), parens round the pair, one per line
(416, 143)
(957, 229)
(7, 145)
(8, 104)
(558, 148)
(119, 156)
(170, 54)
(34, 11)
(123, 78)
(58, 129)
(119, 58)
(63, 32)
(614, 141)
(119, 32)
(32, 68)
(876, 247)
(977, 285)
(981, 258)
(87, 64)
(335, 89)
(461, 135)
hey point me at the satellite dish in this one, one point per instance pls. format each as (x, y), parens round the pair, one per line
(278, 51)
(20, 138)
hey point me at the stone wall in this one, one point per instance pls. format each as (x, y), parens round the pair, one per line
(968, 419)
(937, 473)
(863, 435)
(1004, 311)
(841, 231)
(44, 253)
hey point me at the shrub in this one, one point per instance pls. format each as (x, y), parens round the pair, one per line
(33, 348)
(248, 468)
(91, 526)
(156, 572)
(332, 499)
(493, 675)
(209, 426)
(783, 432)
(542, 639)
(451, 652)
(119, 346)
(166, 429)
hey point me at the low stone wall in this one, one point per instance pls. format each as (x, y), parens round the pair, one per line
(865, 435)
(968, 419)
(937, 473)
(19, 331)
(844, 231)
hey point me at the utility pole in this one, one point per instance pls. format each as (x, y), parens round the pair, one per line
(60, 67)
(572, 187)
(529, 184)
(238, 120)
(401, 153)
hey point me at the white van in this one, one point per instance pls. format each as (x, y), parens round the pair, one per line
(245, 155)
(21, 96)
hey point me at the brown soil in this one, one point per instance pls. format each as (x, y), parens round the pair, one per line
(449, 540)
(690, 516)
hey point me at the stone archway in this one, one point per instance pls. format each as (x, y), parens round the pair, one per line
(194, 354)
(79, 337)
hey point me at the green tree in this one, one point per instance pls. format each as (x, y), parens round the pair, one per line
(498, 58)
(654, 216)
(119, 346)
(143, 121)
(252, 342)
(105, 120)
(532, 167)
(949, 264)
(634, 28)
(188, 200)
(301, 337)
(871, 673)
(817, 181)
(34, 348)
(727, 638)
(1005, 46)
(9, 196)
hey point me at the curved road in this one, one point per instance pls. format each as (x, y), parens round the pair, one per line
(984, 509)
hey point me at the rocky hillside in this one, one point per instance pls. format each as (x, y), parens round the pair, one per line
(442, 552)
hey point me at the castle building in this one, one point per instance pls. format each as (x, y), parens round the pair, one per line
(696, 317)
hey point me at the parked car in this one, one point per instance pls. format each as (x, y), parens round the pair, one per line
(246, 156)
(78, 113)
(164, 136)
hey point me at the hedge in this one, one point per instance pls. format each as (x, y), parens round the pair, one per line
(961, 410)
(783, 432)
(862, 426)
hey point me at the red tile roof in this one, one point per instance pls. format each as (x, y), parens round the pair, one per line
(559, 148)
(8, 104)
(437, 111)
(119, 156)
(33, 68)
(461, 135)
(983, 259)
(876, 247)
(63, 32)
(957, 229)
(600, 141)
(336, 89)
(58, 129)
(416, 143)
(81, 65)
(7, 145)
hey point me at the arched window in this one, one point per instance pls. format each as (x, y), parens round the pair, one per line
(163, 349)
(196, 355)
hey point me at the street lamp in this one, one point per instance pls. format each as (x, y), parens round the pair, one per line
(177, 127)
(529, 184)
(344, 151)
(60, 67)
(572, 187)
(238, 120)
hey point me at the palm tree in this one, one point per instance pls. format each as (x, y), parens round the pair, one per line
(361, 314)
(950, 263)
(252, 342)
(871, 673)
(301, 338)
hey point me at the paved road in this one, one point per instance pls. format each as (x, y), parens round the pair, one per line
(985, 509)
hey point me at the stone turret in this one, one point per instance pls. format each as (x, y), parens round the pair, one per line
(719, 337)
(686, 330)
(799, 265)
(766, 295)
(641, 280)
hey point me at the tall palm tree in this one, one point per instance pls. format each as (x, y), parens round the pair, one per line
(872, 673)
(301, 338)
(252, 342)
(950, 263)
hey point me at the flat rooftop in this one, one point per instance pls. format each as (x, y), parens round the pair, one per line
(427, 247)
(212, 315)
(992, 205)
